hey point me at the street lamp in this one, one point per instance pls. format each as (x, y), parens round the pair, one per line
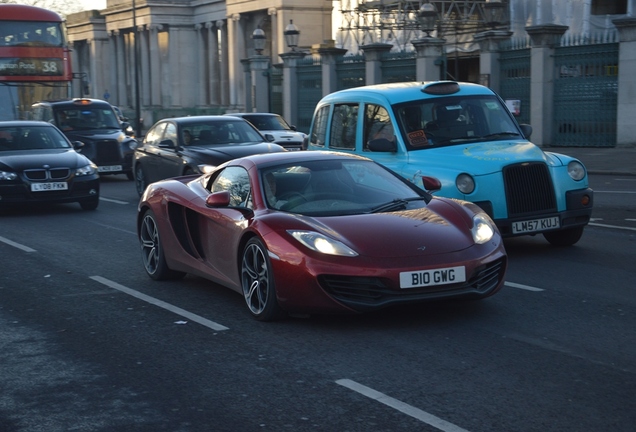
(427, 16)
(494, 13)
(292, 34)
(258, 36)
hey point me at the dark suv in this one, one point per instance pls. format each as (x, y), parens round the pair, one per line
(95, 123)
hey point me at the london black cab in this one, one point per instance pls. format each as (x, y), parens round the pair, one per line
(95, 123)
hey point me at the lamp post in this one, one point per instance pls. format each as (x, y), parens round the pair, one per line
(257, 95)
(494, 13)
(292, 34)
(136, 65)
(258, 36)
(427, 17)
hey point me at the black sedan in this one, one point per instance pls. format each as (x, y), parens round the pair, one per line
(39, 164)
(194, 145)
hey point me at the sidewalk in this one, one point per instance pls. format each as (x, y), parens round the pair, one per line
(597, 160)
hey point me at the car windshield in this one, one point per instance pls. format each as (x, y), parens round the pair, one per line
(270, 123)
(85, 118)
(31, 138)
(454, 120)
(221, 132)
(336, 187)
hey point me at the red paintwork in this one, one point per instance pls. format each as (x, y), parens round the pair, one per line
(387, 243)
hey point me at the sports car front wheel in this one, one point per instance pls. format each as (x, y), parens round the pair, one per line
(152, 250)
(258, 282)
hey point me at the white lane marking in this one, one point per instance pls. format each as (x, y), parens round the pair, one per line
(612, 226)
(16, 245)
(113, 200)
(523, 287)
(167, 306)
(407, 409)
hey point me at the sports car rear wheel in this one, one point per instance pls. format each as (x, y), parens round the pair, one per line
(152, 250)
(258, 282)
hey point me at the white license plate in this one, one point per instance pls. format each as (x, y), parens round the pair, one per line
(52, 186)
(109, 168)
(441, 276)
(535, 225)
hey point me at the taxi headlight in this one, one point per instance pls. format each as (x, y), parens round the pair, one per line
(323, 244)
(86, 170)
(206, 169)
(483, 229)
(576, 170)
(465, 183)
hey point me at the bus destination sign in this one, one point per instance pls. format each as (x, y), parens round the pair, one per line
(31, 67)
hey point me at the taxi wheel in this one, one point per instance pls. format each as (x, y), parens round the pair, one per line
(140, 180)
(565, 237)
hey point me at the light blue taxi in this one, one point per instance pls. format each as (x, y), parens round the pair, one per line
(464, 135)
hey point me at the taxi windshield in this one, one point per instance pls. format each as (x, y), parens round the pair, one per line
(454, 120)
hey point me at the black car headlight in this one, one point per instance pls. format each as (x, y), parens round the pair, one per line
(6, 175)
(86, 170)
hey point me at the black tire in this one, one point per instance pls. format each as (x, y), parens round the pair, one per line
(564, 237)
(152, 253)
(89, 204)
(257, 280)
(140, 180)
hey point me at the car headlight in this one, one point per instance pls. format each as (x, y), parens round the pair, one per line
(321, 243)
(86, 170)
(576, 170)
(5, 175)
(483, 229)
(132, 145)
(205, 169)
(465, 183)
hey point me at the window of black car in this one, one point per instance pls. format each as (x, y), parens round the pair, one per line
(453, 120)
(86, 117)
(223, 132)
(344, 126)
(31, 138)
(319, 128)
(236, 181)
(171, 133)
(154, 135)
(267, 122)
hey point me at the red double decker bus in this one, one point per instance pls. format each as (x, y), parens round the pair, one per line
(35, 61)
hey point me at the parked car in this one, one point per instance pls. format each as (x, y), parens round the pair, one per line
(125, 121)
(38, 164)
(275, 126)
(95, 123)
(464, 135)
(318, 232)
(190, 145)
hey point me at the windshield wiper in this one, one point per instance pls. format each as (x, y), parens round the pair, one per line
(396, 204)
(500, 134)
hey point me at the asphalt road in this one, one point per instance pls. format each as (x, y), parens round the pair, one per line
(89, 343)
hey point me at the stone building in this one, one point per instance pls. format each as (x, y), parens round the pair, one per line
(189, 51)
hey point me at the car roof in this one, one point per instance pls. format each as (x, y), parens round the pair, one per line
(199, 119)
(26, 123)
(73, 102)
(253, 114)
(268, 159)
(395, 93)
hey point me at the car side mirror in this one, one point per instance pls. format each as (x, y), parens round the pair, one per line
(431, 184)
(292, 127)
(167, 143)
(218, 199)
(526, 129)
(381, 145)
(78, 145)
(270, 137)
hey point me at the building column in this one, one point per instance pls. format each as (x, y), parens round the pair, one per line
(328, 58)
(155, 64)
(237, 41)
(544, 39)
(290, 85)
(213, 64)
(274, 36)
(145, 73)
(626, 106)
(429, 51)
(224, 66)
(373, 61)
(202, 65)
(120, 83)
(112, 70)
(259, 66)
(489, 67)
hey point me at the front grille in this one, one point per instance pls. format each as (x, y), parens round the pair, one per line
(45, 174)
(367, 293)
(529, 189)
(107, 152)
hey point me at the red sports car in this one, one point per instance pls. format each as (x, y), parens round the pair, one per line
(318, 232)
